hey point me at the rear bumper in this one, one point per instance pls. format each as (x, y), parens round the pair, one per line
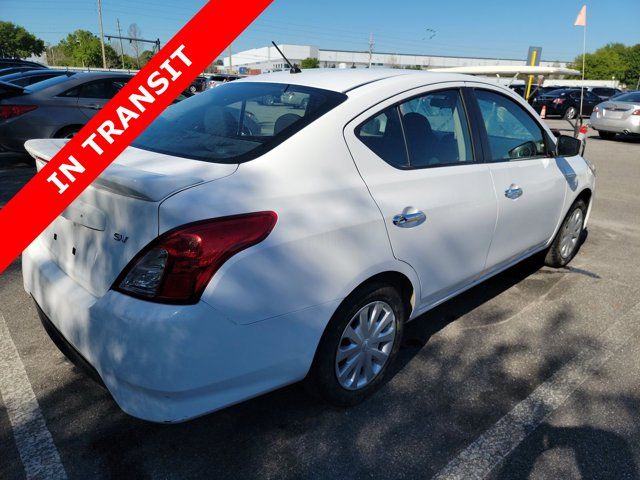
(15, 132)
(613, 125)
(66, 348)
(167, 363)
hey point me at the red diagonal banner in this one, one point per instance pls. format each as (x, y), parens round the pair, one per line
(85, 156)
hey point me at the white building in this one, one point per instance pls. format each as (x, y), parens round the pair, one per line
(268, 59)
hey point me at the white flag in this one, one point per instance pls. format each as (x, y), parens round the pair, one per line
(581, 19)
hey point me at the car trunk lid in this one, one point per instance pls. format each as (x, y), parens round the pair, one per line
(94, 239)
(618, 110)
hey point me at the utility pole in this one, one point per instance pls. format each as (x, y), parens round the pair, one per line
(121, 47)
(371, 44)
(104, 55)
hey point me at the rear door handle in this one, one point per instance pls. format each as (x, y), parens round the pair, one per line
(408, 220)
(93, 106)
(513, 192)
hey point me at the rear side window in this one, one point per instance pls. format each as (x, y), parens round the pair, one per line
(383, 136)
(512, 133)
(237, 121)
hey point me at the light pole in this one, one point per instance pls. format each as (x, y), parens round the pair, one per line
(79, 42)
(104, 54)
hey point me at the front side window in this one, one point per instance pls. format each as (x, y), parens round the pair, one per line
(436, 130)
(237, 121)
(426, 131)
(512, 133)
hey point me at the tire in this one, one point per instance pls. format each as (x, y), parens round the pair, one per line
(323, 379)
(571, 113)
(193, 89)
(67, 132)
(567, 241)
(606, 135)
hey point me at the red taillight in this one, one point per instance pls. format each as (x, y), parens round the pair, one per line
(178, 265)
(636, 112)
(10, 111)
(559, 101)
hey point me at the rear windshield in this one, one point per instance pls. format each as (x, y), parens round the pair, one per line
(236, 122)
(36, 87)
(633, 97)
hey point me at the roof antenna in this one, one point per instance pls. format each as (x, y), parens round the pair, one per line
(293, 68)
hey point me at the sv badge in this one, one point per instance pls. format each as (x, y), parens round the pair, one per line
(119, 237)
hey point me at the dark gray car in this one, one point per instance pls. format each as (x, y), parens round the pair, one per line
(55, 108)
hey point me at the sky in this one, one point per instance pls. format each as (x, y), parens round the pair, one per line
(496, 29)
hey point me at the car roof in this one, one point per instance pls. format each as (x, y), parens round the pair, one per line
(89, 75)
(344, 80)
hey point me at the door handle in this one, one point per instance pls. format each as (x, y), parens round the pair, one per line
(513, 192)
(409, 219)
(94, 106)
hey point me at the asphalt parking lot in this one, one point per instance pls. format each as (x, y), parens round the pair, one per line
(533, 374)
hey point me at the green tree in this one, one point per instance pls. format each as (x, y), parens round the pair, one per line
(16, 42)
(310, 63)
(612, 60)
(145, 57)
(632, 61)
(82, 49)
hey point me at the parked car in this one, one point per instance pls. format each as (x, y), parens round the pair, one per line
(29, 77)
(295, 100)
(535, 90)
(54, 108)
(619, 115)
(221, 78)
(199, 84)
(235, 247)
(604, 93)
(565, 102)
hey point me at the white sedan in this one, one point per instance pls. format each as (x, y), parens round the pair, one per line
(240, 246)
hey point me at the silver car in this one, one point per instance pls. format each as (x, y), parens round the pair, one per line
(55, 108)
(620, 115)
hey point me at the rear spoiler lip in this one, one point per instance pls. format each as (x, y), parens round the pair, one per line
(10, 89)
(122, 180)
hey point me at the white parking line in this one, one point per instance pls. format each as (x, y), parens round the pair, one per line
(494, 445)
(38, 453)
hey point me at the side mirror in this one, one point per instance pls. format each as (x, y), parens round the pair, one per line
(568, 146)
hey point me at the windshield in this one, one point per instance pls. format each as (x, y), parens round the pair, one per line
(36, 87)
(236, 122)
